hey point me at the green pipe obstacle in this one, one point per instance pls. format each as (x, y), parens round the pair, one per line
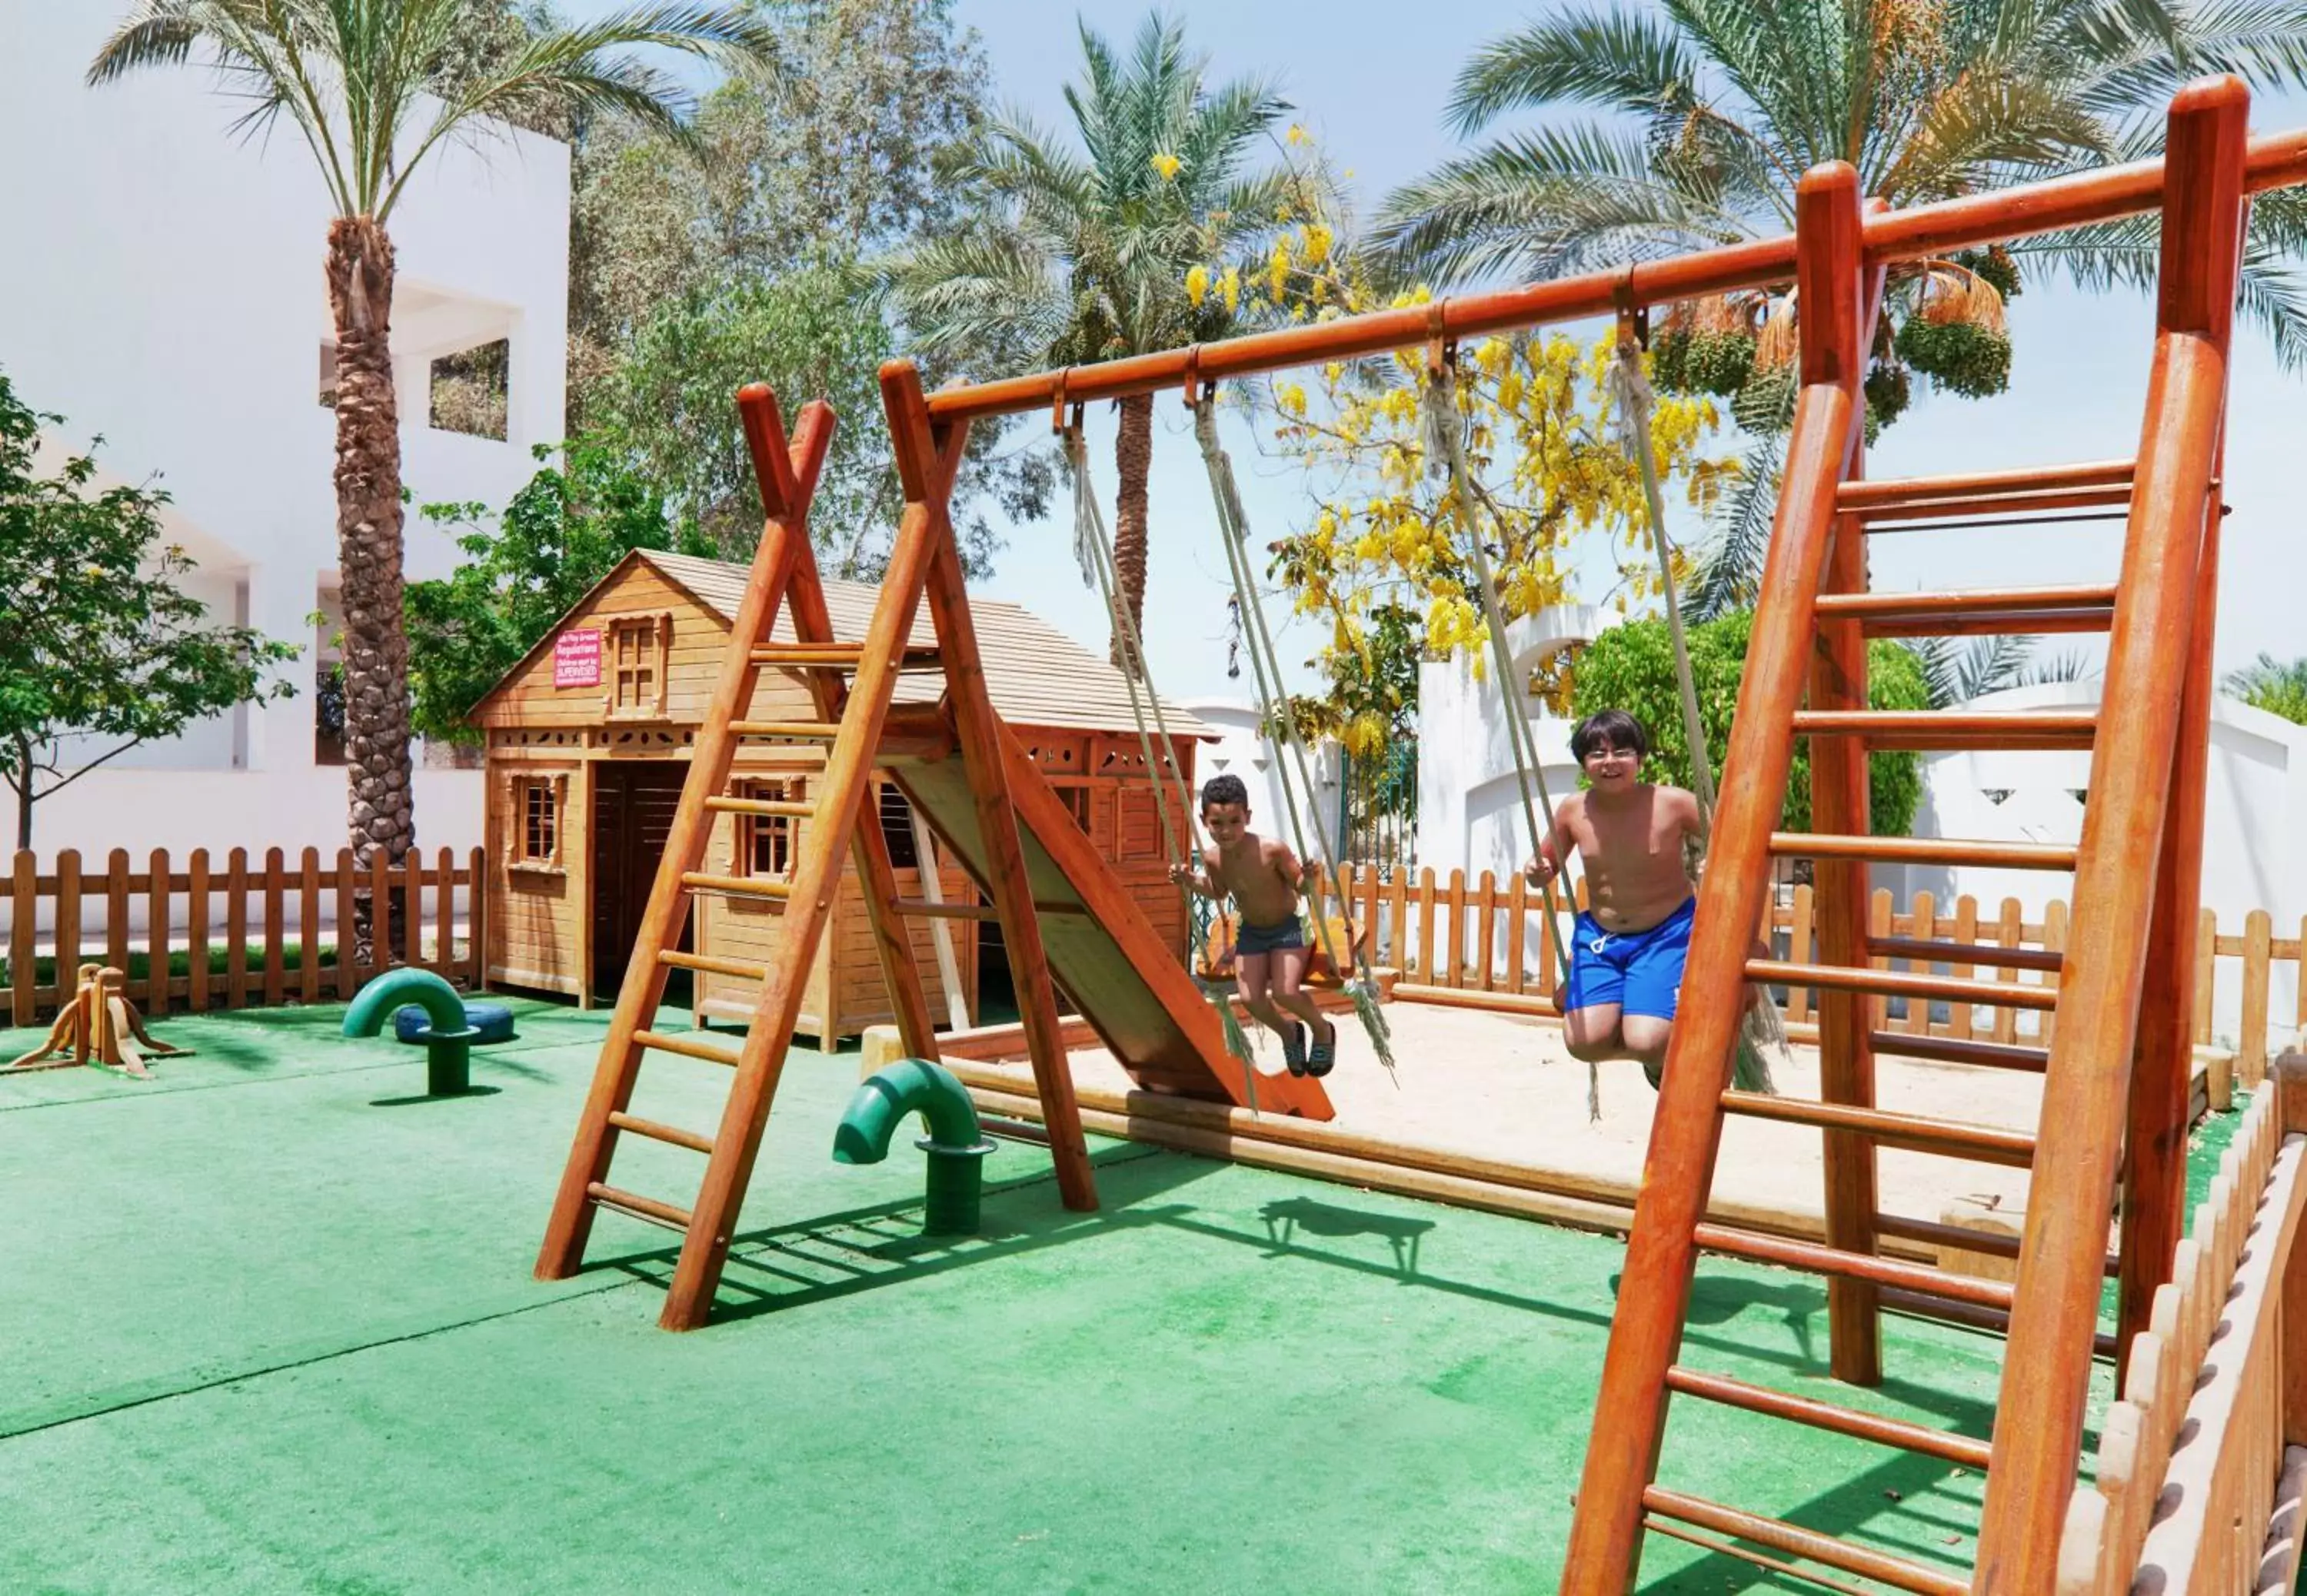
(956, 1147)
(448, 1034)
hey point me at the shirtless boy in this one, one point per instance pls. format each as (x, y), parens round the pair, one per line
(1628, 948)
(1270, 954)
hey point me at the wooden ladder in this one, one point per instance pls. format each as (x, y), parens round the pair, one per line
(2117, 1066)
(853, 684)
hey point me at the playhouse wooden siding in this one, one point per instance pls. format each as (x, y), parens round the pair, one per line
(660, 627)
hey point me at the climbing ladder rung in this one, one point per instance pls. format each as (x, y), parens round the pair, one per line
(2048, 960)
(2001, 506)
(640, 1207)
(1958, 1050)
(2032, 478)
(1993, 1320)
(736, 968)
(1983, 600)
(1892, 983)
(793, 731)
(657, 1042)
(736, 886)
(1961, 1449)
(835, 656)
(1757, 1248)
(1943, 730)
(790, 809)
(1912, 1133)
(657, 1130)
(1924, 850)
(1994, 623)
(1807, 1544)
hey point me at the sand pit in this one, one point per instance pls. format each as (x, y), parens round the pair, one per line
(1505, 1087)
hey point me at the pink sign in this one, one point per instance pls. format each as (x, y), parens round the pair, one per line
(577, 659)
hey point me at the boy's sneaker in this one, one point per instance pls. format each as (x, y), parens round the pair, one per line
(1324, 1054)
(1293, 1049)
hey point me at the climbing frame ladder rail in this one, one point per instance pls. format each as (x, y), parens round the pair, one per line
(2040, 1422)
(929, 457)
(1839, 807)
(786, 498)
(1646, 1329)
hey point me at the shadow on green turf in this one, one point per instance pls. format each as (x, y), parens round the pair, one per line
(470, 1091)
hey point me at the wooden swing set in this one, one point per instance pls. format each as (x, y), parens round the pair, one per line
(2116, 1075)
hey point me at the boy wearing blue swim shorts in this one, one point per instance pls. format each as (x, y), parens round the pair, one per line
(1628, 947)
(1270, 954)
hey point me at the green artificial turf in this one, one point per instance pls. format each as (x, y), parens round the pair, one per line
(270, 1326)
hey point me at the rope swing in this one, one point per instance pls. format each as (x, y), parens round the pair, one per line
(1274, 713)
(1093, 551)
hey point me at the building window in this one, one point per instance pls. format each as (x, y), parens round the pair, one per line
(1076, 798)
(538, 803)
(766, 843)
(639, 650)
(471, 391)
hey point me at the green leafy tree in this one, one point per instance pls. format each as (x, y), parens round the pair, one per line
(373, 88)
(100, 649)
(522, 571)
(817, 332)
(1088, 251)
(1631, 667)
(2273, 685)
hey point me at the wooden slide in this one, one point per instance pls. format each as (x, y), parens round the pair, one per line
(1118, 971)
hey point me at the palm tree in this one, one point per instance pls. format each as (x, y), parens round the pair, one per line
(2270, 683)
(374, 86)
(1087, 255)
(1714, 108)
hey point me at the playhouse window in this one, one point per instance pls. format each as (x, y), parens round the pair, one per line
(638, 650)
(765, 842)
(897, 817)
(537, 820)
(1076, 798)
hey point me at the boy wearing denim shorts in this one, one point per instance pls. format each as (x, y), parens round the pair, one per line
(1628, 947)
(1270, 954)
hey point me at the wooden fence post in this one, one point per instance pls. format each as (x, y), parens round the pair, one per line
(24, 939)
(348, 980)
(2258, 951)
(2207, 950)
(67, 932)
(444, 916)
(235, 929)
(2289, 1075)
(308, 927)
(476, 919)
(196, 931)
(1426, 926)
(115, 909)
(156, 937)
(276, 887)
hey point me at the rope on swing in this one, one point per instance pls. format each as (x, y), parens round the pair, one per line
(1273, 708)
(1094, 551)
(1762, 1034)
(1446, 454)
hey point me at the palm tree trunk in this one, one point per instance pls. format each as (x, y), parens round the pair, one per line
(382, 808)
(1133, 455)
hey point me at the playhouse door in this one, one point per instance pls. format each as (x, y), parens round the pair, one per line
(634, 803)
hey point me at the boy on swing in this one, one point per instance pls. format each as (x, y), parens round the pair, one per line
(1270, 954)
(1629, 944)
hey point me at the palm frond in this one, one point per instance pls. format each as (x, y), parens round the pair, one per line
(1730, 567)
(1613, 58)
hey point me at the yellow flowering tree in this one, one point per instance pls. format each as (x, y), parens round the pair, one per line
(1381, 562)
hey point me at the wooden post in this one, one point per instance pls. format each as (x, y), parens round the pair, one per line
(926, 463)
(308, 927)
(2289, 1074)
(2038, 1423)
(476, 919)
(412, 908)
(1397, 917)
(1517, 932)
(2162, 1068)
(1454, 961)
(348, 979)
(115, 909)
(196, 931)
(156, 936)
(1798, 950)
(1924, 912)
(235, 929)
(1426, 928)
(1606, 1532)
(23, 939)
(276, 887)
(444, 914)
(1486, 931)
(2258, 963)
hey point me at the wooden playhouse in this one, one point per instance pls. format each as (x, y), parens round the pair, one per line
(588, 741)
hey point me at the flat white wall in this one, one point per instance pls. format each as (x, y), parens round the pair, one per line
(2254, 808)
(163, 288)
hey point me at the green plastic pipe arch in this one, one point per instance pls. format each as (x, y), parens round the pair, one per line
(448, 1046)
(956, 1147)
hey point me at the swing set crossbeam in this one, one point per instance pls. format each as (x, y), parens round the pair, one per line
(1886, 238)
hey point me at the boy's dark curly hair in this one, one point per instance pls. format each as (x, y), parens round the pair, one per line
(1224, 789)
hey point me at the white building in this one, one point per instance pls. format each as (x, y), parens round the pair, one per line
(162, 289)
(1242, 750)
(1469, 804)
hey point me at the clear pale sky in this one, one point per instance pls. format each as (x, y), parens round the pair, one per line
(1370, 81)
